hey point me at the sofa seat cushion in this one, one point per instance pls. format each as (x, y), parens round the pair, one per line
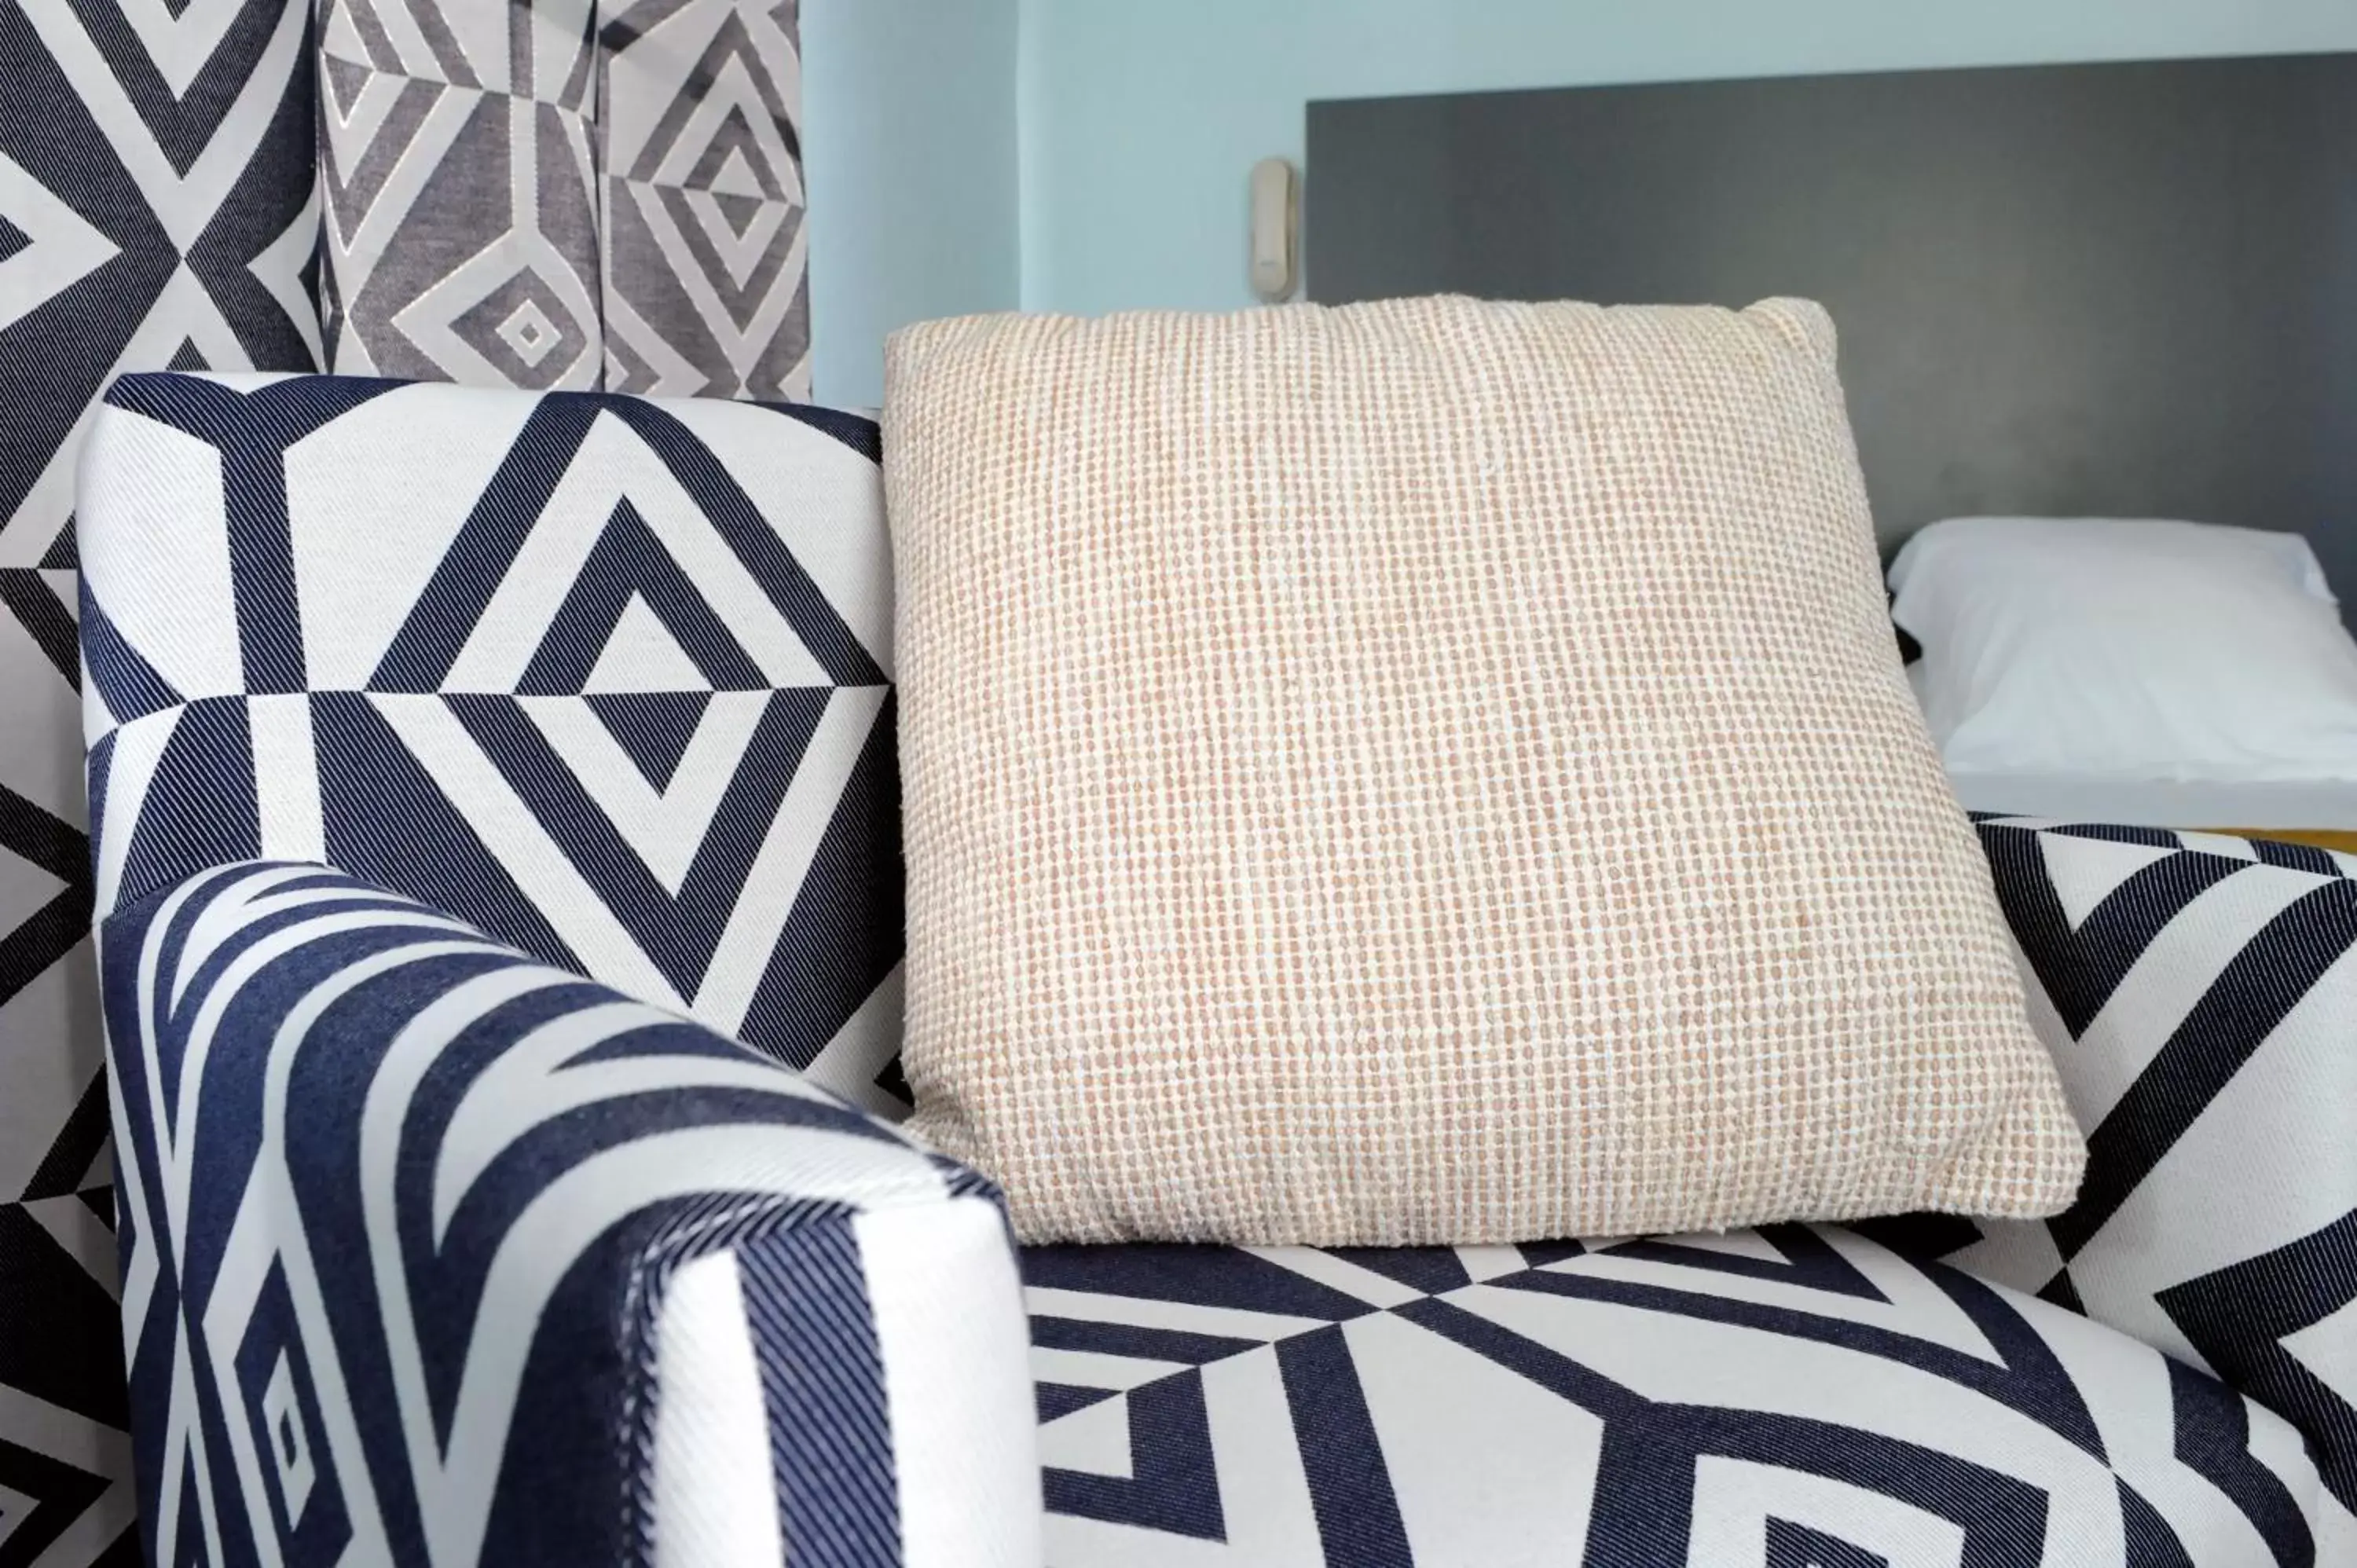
(1793, 1394)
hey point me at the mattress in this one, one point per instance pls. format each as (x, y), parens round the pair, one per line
(2318, 810)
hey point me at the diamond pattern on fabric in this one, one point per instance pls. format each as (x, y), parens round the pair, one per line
(706, 261)
(603, 193)
(605, 676)
(460, 219)
(516, 1271)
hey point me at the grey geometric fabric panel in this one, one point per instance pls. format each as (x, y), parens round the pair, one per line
(66, 1499)
(460, 212)
(155, 211)
(565, 195)
(707, 267)
(49, 1048)
(156, 208)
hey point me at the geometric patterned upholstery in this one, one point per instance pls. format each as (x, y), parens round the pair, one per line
(608, 679)
(542, 661)
(442, 258)
(155, 209)
(435, 1254)
(705, 258)
(1793, 1395)
(573, 194)
(2198, 992)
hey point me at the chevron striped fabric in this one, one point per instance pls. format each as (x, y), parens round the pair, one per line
(566, 193)
(433, 1253)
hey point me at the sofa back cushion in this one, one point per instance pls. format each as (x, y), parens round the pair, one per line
(1430, 771)
(609, 677)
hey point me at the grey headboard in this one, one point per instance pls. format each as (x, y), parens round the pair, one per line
(2123, 290)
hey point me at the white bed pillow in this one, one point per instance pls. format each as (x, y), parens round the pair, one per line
(2113, 647)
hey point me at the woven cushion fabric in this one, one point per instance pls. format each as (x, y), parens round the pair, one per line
(1430, 771)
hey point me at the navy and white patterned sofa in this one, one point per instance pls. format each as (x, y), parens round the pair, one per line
(472, 771)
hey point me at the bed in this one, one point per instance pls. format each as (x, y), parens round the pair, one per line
(2149, 672)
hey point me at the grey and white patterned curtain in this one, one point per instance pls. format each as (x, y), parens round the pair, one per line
(573, 193)
(155, 209)
(569, 193)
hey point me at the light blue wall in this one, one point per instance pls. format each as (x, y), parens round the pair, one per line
(1140, 118)
(1089, 154)
(909, 151)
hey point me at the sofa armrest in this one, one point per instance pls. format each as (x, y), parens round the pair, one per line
(436, 1250)
(2200, 995)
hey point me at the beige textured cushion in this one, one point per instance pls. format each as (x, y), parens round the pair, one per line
(1430, 771)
